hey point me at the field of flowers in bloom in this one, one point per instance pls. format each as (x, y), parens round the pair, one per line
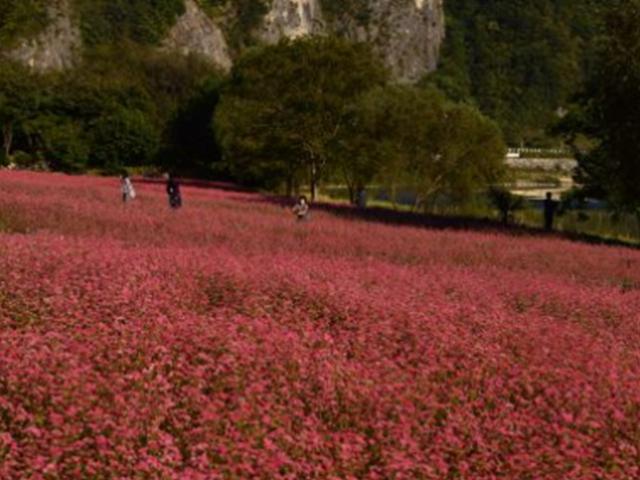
(227, 341)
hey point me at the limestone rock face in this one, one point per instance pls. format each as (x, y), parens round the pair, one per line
(292, 19)
(406, 33)
(196, 33)
(55, 48)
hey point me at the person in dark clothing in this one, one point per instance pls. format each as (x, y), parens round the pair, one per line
(361, 198)
(173, 190)
(550, 207)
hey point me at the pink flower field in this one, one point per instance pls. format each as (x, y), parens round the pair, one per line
(227, 341)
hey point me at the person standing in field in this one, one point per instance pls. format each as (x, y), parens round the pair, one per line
(301, 209)
(128, 192)
(550, 207)
(361, 198)
(173, 190)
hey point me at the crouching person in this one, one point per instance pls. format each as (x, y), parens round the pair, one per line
(301, 209)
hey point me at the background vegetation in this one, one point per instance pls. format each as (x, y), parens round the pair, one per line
(143, 21)
(123, 107)
(519, 61)
(241, 18)
(21, 18)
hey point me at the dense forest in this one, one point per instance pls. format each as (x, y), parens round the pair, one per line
(519, 61)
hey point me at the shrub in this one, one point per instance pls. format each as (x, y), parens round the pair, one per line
(123, 137)
(505, 202)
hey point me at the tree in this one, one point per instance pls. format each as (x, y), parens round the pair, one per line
(286, 105)
(519, 61)
(124, 137)
(420, 140)
(190, 143)
(359, 150)
(62, 142)
(505, 202)
(465, 153)
(19, 100)
(607, 112)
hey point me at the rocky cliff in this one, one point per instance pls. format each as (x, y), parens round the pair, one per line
(195, 32)
(57, 46)
(406, 33)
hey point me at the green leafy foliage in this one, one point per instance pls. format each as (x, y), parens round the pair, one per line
(121, 108)
(21, 18)
(317, 109)
(245, 16)
(285, 105)
(143, 21)
(518, 61)
(190, 145)
(434, 146)
(606, 112)
(20, 96)
(63, 143)
(124, 137)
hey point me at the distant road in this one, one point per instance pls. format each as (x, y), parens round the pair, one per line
(566, 165)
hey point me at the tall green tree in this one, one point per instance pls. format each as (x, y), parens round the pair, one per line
(607, 112)
(286, 104)
(417, 138)
(19, 100)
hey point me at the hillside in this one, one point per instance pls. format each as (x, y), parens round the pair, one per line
(50, 35)
(227, 341)
(519, 61)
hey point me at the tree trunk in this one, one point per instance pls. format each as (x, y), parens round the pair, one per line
(314, 181)
(417, 202)
(394, 194)
(352, 194)
(289, 186)
(7, 137)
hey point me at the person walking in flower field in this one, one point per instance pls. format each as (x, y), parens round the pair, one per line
(301, 209)
(128, 192)
(173, 190)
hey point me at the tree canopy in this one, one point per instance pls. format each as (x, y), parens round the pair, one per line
(285, 105)
(518, 61)
(606, 112)
(415, 137)
(121, 107)
(318, 109)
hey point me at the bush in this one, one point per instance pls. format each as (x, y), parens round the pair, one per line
(143, 21)
(505, 202)
(64, 145)
(124, 137)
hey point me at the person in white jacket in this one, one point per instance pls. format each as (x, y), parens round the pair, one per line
(128, 192)
(301, 209)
